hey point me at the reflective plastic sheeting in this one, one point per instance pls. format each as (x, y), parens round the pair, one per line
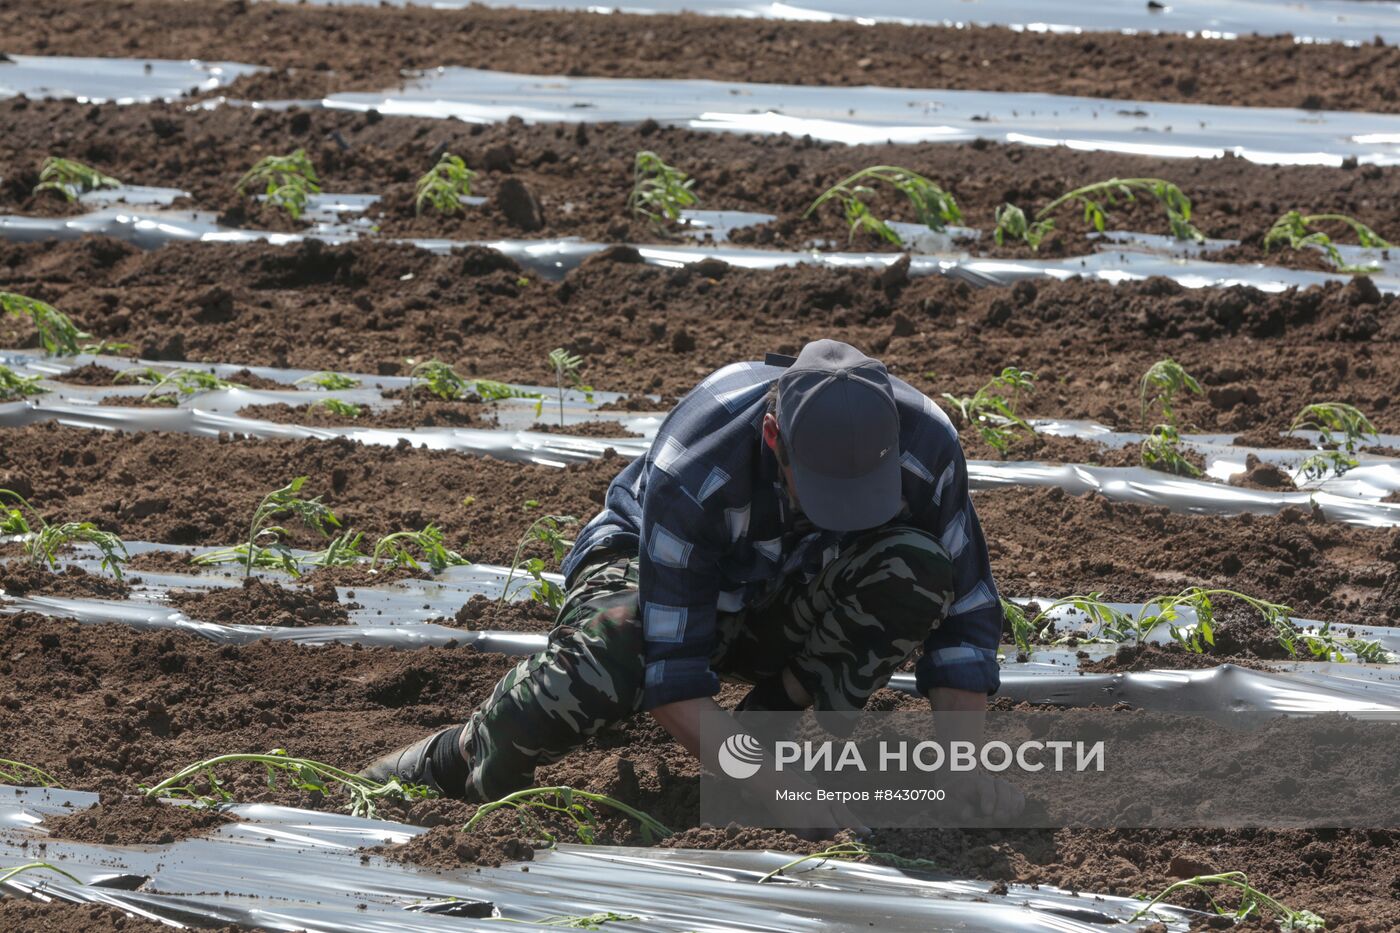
(282, 868)
(876, 115)
(114, 80)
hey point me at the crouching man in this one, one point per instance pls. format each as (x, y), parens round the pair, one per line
(801, 526)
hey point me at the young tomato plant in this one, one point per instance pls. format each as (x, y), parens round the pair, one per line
(850, 851)
(337, 407)
(1095, 199)
(566, 374)
(446, 384)
(992, 409)
(301, 773)
(287, 181)
(58, 335)
(278, 504)
(544, 529)
(43, 542)
(19, 773)
(1338, 424)
(1253, 902)
(933, 207)
(575, 805)
(7, 873)
(1160, 386)
(1292, 230)
(659, 191)
(1161, 450)
(329, 381)
(430, 542)
(71, 179)
(13, 386)
(179, 382)
(341, 551)
(444, 185)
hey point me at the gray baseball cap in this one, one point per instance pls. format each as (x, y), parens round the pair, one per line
(838, 420)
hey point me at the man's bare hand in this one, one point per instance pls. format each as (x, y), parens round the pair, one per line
(978, 796)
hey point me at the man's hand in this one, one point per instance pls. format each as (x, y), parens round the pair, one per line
(974, 795)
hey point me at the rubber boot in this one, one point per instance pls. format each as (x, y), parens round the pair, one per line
(412, 764)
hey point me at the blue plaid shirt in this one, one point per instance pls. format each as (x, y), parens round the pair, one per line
(707, 512)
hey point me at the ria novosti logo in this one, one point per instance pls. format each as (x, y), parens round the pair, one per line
(740, 756)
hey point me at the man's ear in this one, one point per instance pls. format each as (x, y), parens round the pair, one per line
(770, 432)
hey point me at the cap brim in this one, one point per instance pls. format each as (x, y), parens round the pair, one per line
(850, 504)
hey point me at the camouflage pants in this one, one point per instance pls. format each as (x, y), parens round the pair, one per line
(842, 635)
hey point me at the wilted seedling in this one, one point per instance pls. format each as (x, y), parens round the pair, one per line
(1338, 424)
(104, 346)
(341, 551)
(430, 542)
(13, 386)
(180, 382)
(287, 181)
(1160, 386)
(544, 529)
(7, 873)
(17, 772)
(1253, 902)
(446, 384)
(850, 851)
(284, 502)
(1161, 450)
(570, 803)
(70, 178)
(1095, 200)
(1292, 230)
(57, 332)
(933, 207)
(444, 185)
(329, 381)
(992, 411)
(566, 372)
(337, 407)
(45, 541)
(659, 191)
(581, 922)
(301, 773)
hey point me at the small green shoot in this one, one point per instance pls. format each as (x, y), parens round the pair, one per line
(544, 529)
(287, 501)
(933, 207)
(302, 773)
(850, 851)
(1095, 200)
(329, 381)
(337, 407)
(571, 803)
(1161, 450)
(141, 375)
(442, 381)
(992, 410)
(1160, 386)
(1253, 902)
(1338, 424)
(287, 181)
(1011, 223)
(180, 382)
(1291, 230)
(71, 179)
(566, 374)
(14, 387)
(341, 551)
(58, 335)
(1022, 632)
(19, 773)
(104, 347)
(7, 873)
(43, 545)
(659, 191)
(430, 542)
(444, 185)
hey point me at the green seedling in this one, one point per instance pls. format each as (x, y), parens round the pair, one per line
(993, 411)
(141, 375)
(544, 529)
(17, 772)
(566, 372)
(1292, 230)
(1161, 450)
(446, 384)
(576, 805)
(1253, 902)
(329, 381)
(280, 503)
(342, 551)
(1338, 424)
(71, 179)
(337, 407)
(933, 207)
(850, 851)
(1160, 386)
(7, 873)
(659, 191)
(58, 335)
(301, 773)
(585, 922)
(444, 185)
(13, 386)
(430, 542)
(180, 382)
(287, 181)
(104, 346)
(1022, 632)
(1095, 200)
(45, 541)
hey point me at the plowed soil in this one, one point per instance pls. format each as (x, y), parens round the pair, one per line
(337, 48)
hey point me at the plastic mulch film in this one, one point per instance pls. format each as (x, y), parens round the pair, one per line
(877, 115)
(281, 868)
(113, 80)
(1312, 21)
